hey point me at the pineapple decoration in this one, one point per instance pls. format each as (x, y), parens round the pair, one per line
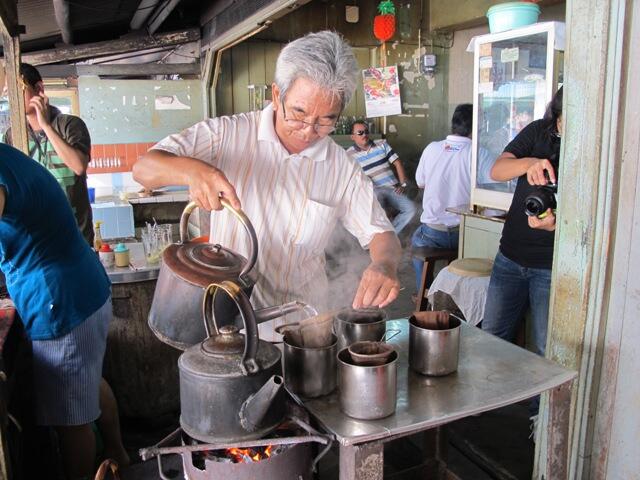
(384, 25)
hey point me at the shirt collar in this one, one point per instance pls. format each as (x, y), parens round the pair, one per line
(458, 138)
(369, 145)
(267, 132)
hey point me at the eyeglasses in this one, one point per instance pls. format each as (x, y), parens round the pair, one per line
(298, 124)
(361, 132)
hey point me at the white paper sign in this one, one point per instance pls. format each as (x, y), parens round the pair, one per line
(509, 55)
(486, 62)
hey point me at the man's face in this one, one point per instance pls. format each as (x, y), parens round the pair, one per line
(360, 135)
(29, 92)
(305, 101)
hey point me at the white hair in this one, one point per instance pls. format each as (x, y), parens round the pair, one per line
(324, 58)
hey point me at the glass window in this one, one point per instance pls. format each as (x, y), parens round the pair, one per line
(512, 79)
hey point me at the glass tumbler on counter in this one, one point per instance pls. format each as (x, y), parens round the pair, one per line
(151, 245)
(165, 235)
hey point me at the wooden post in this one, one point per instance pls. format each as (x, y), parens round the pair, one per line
(590, 172)
(18, 119)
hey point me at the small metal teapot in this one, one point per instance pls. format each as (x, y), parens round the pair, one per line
(230, 384)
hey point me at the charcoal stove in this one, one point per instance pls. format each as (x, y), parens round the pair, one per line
(286, 453)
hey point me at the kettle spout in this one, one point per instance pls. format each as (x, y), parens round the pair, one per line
(255, 408)
(269, 313)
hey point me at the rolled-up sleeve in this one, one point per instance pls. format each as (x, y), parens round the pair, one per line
(201, 141)
(362, 214)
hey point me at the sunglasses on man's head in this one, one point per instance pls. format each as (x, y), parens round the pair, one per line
(361, 132)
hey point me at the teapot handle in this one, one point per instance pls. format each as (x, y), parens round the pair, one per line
(248, 364)
(240, 215)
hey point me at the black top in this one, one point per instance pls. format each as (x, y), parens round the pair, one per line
(529, 247)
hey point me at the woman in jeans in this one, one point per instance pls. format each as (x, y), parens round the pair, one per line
(521, 274)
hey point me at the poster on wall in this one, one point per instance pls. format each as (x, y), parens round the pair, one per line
(381, 91)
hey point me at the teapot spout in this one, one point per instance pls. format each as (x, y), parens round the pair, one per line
(269, 313)
(257, 405)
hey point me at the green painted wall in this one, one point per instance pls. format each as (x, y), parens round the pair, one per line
(134, 111)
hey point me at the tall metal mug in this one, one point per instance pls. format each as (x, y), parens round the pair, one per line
(310, 372)
(434, 352)
(367, 392)
(357, 325)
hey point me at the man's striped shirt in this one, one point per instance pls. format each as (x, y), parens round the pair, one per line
(376, 162)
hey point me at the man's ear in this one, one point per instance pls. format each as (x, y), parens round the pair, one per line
(275, 96)
(39, 88)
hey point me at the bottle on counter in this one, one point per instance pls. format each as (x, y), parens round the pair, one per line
(97, 236)
(121, 255)
(107, 256)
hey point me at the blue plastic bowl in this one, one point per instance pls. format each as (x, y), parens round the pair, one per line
(506, 16)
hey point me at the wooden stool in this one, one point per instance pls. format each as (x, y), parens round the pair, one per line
(430, 255)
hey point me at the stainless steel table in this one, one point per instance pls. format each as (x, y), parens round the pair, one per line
(492, 373)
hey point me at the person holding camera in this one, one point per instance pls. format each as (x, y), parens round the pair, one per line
(521, 274)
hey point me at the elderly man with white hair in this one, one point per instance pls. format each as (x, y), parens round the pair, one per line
(294, 182)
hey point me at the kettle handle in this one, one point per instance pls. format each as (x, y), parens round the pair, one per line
(240, 215)
(248, 364)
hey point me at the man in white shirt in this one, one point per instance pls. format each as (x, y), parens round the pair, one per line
(294, 181)
(444, 172)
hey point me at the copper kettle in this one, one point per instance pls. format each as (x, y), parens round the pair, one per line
(187, 269)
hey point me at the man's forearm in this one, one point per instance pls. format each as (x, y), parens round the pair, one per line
(159, 169)
(402, 176)
(385, 249)
(73, 158)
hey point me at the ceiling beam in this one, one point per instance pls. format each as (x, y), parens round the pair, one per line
(145, 8)
(161, 15)
(63, 19)
(111, 47)
(119, 69)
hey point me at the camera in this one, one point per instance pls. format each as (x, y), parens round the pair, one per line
(541, 199)
(544, 197)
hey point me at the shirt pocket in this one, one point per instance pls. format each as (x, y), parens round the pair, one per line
(317, 222)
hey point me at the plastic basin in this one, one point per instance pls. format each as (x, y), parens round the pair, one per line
(506, 16)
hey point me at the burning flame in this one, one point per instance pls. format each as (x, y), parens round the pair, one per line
(244, 455)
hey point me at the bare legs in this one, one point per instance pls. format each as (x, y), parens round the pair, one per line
(109, 425)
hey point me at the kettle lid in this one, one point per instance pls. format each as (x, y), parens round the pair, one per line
(228, 342)
(203, 263)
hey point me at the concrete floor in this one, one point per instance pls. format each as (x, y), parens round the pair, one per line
(495, 445)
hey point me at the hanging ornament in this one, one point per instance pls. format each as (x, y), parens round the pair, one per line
(384, 25)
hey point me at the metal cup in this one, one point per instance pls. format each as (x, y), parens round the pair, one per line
(310, 372)
(351, 325)
(367, 392)
(434, 352)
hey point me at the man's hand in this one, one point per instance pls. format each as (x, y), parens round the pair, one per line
(207, 185)
(378, 287)
(535, 173)
(547, 222)
(399, 189)
(41, 105)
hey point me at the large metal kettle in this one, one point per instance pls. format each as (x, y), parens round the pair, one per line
(230, 384)
(187, 268)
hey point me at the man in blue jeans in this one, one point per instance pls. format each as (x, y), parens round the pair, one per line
(444, 173)
(376, 158)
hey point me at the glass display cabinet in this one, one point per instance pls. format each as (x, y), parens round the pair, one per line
(515, 75)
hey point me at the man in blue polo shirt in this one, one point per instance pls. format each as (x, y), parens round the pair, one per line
(376, 158)
(62, 295)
